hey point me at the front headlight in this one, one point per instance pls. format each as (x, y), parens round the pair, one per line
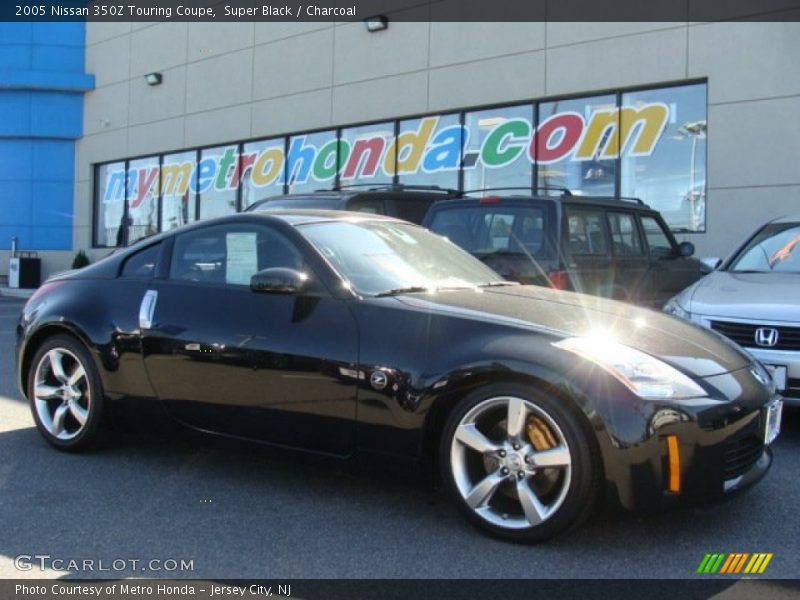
(673, 307)
(644, 375)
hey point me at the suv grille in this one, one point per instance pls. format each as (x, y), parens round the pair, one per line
(792, 388)
(744, 334)
(743, 451)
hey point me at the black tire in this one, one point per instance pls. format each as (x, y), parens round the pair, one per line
(580, 481)
(82, 436)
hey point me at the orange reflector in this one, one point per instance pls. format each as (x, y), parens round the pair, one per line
(674, 484)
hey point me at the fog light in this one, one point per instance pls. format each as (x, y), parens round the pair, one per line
(674, 456)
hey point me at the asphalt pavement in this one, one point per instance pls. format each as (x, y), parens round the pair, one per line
(243, 512)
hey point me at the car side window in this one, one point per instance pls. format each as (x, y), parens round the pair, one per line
(231, 254)
(141, 265)
(625, 238)
(587, 233)
(657, 238)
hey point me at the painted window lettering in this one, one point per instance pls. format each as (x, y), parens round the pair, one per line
(425, 149)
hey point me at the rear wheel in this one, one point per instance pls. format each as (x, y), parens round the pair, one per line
(519, 463)
(65, 393)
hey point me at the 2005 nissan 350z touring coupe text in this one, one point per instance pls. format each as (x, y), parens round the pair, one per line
(362, 336)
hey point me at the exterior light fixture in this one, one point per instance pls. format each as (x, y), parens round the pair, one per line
(154, 78)
(376, 23)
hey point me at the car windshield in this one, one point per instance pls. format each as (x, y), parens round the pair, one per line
(386, 257)
(774, 249)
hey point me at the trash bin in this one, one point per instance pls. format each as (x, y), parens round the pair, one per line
(24, 270)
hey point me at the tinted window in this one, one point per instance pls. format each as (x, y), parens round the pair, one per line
(776, 248)
(142, 265)
(624, 234)
(483, 229)
(231, 254)
(412, 209)
(587, 233)
(657, 238)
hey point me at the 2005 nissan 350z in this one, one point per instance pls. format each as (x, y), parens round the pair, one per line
(367, 337)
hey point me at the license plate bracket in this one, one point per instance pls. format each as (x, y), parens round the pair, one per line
(778, 373)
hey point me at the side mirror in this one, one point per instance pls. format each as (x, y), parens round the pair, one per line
(279, 280)
(713, 262)
(685, 249)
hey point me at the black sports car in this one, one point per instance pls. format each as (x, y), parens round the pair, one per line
(368, 337)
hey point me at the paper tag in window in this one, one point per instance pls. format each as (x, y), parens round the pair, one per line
(241, 257)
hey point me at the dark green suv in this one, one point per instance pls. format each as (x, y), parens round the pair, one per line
(613, 247)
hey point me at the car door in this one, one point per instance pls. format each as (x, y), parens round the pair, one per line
(630, 262)
(223, 358)
(587, 251)
(669, 272)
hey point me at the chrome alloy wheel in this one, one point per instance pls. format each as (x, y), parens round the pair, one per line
(510, 462)
(61, 394)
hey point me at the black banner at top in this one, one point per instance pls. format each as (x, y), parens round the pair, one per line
(401, 10)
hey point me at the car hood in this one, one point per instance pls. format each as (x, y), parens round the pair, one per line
(563, 314)
(756, 296)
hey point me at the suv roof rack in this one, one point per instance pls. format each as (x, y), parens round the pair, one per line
(395, 187)
(620, 198)
(564, 191)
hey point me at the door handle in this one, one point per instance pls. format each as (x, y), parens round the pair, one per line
(147, 308)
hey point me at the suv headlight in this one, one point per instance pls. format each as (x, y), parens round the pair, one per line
(673, 307)
(645, 375)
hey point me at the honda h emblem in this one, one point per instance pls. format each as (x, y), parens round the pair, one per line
(766, 336)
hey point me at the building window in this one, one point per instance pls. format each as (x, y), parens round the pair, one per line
(142, 198)
(217, 181)
(664, 156)
(573, 145)
(429, 151)
(496, 148)
(178, 190)
(312, 161)
(110, 205)
(263, 170)
(367, 155)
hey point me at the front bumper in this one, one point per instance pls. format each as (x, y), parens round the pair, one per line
(718, 445)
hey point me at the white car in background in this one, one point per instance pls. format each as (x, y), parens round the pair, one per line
(753, 298)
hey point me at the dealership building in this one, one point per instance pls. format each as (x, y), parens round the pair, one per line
(110, 132)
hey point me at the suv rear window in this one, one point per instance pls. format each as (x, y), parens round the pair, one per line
(486, 229)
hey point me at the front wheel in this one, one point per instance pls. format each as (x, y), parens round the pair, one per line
(65, 393)
(519, 463)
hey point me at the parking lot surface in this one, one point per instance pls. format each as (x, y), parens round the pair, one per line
(240, 512)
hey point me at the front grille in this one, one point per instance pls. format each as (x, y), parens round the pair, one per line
(744, 334)
(743, 451)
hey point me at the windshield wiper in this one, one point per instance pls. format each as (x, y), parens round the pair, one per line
(411, 289)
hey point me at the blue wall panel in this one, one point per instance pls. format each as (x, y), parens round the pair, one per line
(42, 82)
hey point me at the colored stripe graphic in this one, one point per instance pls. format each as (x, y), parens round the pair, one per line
(734, 563)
